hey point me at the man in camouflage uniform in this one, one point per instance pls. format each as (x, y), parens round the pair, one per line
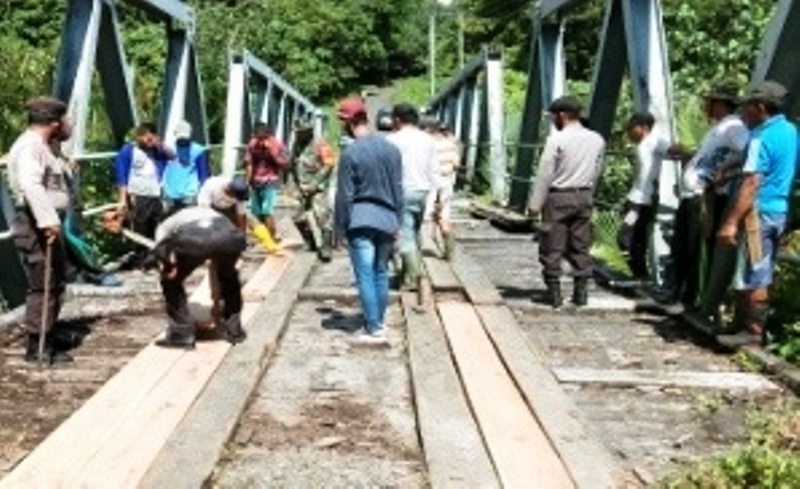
(312, 170)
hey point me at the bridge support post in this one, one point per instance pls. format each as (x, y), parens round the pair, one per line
(777, 58)
(497, 127)
(546, 81)
(652, 91)
(474, 130)
(236, 116)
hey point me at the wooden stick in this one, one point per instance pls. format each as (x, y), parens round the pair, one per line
(48, 272)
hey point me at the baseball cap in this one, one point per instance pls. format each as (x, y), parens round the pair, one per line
(183, 130)
(769, 92)
(350, 108)
(239, 189)
(566, 103)
(725, 90)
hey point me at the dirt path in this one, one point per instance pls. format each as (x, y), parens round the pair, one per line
(328, 412)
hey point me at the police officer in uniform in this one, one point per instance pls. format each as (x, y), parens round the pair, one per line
(312, 171)
(568, 171)
(38, 180)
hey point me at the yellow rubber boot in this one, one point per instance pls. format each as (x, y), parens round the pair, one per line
(266, 240)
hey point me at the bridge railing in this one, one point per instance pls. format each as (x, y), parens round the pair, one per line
(475, 90)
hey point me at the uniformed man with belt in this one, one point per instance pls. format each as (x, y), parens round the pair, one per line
(38, 180)
(568, 171)
(312, 171)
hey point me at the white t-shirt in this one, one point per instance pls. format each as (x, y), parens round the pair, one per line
(650, 153)
(143, 179)
(725, 138)
(213, 194)
(418, 150)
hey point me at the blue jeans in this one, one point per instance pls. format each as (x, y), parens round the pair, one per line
(413, 212)
(370, 250)
(750, 276)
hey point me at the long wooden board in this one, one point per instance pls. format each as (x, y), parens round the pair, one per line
(521, 452)
(155, 390)
(199, 441)
(589, 462)
(56, 460)
(705, 380)
(454, 450)
(123, 459)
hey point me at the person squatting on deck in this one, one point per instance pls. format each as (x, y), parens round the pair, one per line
(640, 207)
(418, 150)
(368, 212)
(38, 182)
(562, 198)
(758, 214)
(185, 241)
(312, 170)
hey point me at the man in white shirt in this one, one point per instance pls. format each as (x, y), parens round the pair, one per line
(703, 202)
(227, 196)
(418, 150)
(633, 236)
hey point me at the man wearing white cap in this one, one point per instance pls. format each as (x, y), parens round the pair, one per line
(184, 175)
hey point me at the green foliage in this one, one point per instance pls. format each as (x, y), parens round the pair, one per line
(770, 458)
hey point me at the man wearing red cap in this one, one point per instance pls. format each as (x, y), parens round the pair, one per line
(368, 212)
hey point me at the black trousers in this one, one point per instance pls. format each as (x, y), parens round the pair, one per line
(32, 245)
(685, 250)
(633, 238)
(566, 233)
(180, 321)
(147, 213)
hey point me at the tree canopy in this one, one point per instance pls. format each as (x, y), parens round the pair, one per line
(330, 48)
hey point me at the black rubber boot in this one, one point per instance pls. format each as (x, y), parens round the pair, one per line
(580, 294)
(235, 332)
(325, 253)
(554, 293)
(184, 341)
(32, 348)
(51, 354)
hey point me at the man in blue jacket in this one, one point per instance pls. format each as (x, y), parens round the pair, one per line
(184, 174)
(368, 212)
(138, 169)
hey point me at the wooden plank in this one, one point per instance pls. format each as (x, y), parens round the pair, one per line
(266, 277)
(57, 460)
(704, 380)
(199, 441)
(125, 457)
(519, 448)
(589, 462)
(479, 288)
(342, 294)
(454, 450)
(65, 452)
(441, 274)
